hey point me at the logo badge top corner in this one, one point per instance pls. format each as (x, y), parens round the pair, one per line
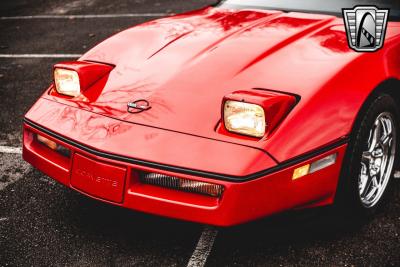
(366, 27)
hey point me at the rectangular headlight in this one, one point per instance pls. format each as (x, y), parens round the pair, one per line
(67, 82)
(244, 118)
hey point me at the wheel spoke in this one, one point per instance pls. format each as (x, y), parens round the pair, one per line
(376, 133)
(367, 186)
(384, 166)
(385, 127)
(371, 193)
(387, 136)
(386, 140)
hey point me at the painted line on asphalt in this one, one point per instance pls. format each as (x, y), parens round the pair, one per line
(3, 219)
(40, 55)
(10, 150)
(89, 16)
(203, 248)
(397, 175)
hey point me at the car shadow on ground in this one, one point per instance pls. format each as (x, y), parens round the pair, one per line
(57, 226)
(47, 224)
(325, 223)
(128, 228)
(314, 237)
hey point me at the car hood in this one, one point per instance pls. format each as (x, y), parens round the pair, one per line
(184, 65)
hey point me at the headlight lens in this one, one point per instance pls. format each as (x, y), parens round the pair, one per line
(67, 82)
(244, 118)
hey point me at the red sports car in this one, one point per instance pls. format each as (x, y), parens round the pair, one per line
(230, 113)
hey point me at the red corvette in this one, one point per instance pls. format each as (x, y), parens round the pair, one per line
(227, 114)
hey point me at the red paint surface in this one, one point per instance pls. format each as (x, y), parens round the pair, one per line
(184, 66)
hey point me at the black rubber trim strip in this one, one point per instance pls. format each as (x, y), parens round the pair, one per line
(217, 176)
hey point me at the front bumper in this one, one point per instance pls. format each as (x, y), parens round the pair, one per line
(246, 197)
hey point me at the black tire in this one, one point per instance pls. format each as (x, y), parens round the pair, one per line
(348, 198)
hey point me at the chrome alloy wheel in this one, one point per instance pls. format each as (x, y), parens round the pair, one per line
(378, 160)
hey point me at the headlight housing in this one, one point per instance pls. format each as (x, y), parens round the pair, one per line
(67, 82)
(73, 78)
(255, 113)
(244, 118)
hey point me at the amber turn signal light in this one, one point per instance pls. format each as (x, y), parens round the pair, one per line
(62, 150)
(314, 167)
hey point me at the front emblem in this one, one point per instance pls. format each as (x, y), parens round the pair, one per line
(366, 27)
(138, 106)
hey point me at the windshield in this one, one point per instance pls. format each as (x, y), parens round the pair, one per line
(318, 6)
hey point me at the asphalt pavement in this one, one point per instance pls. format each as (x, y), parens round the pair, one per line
(43, 223)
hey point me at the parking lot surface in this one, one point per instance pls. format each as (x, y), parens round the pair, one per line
(45, 224)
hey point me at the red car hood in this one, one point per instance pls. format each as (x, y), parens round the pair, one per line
(184, 65)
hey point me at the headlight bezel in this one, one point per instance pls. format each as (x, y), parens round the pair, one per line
(276, 106)
(87, 72)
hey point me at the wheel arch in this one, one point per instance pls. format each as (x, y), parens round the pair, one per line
(390, 86)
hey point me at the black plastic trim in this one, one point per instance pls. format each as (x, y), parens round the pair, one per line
(217, 176)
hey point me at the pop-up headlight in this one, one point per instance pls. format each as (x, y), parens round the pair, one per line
(244, 118)
(73, 78)
(255, 113)
(67, 82)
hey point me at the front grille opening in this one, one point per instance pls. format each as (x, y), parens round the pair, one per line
(181, 184)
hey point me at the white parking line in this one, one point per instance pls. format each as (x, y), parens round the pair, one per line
(90, 16)
(10, 150)
(203, 248)
(40, 55)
